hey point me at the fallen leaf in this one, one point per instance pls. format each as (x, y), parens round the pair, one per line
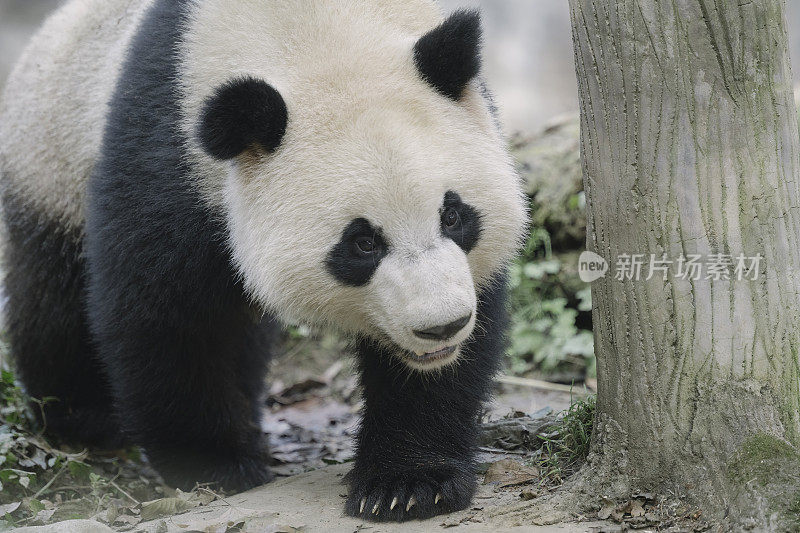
(636, 508)
(111, 514)
(39, 458)
(45, 515)
(297, 392)
(605, 511)
(9, 508)
(508, 472)
(164, 507)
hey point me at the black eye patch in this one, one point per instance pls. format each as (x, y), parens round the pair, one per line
(465, 230)
(357, 254)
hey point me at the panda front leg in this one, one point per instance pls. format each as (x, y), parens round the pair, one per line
(419, 436)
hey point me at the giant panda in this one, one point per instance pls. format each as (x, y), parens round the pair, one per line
(182, 177)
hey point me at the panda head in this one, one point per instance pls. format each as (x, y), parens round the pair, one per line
(377, 196)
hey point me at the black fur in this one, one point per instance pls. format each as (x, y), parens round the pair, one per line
(45, 283)
(449, 56)
(243, 112)
(468, 230)
(419, 434)
(346, 263)
(183, 351)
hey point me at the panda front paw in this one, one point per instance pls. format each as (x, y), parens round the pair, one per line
(409, 495)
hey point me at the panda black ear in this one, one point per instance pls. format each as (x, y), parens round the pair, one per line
(241, 113)
(449, 56)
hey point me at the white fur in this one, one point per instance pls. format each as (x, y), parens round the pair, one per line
(366, 137)
(54, 105)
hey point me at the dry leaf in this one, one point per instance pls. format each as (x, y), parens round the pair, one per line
(508, 472)
(45, 515)
(164, 507)
(605, 511)
(636, 508)
(9, 508)
(111, 514)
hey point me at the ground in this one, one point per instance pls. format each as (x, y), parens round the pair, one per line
(306, 434)
(527, 451)
(285, 506)
(310, 422)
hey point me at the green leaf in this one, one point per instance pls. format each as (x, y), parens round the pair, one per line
(35, 506)
(80, 471)
(7, 378)
(10, 474)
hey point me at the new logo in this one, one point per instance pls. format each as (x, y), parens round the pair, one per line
(591, 267)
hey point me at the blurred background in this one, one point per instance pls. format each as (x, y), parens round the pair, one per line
(528, 56)
(528, 51)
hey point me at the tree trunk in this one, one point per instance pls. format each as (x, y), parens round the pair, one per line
(689, 146)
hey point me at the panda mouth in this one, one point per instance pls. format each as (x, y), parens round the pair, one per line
(425, 357)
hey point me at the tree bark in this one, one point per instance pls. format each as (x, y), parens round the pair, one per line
(689, 145)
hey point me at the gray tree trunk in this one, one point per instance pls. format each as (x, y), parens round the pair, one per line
(690, 146)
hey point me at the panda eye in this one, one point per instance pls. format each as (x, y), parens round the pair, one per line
(450, 217)
(365, 245)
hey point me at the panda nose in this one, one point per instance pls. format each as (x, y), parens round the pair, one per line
(445, 331)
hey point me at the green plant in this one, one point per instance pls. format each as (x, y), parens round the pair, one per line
(40, 483)
(546, 298)
(566, 445)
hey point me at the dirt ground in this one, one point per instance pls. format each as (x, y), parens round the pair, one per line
(313, 502)
(311, 415)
